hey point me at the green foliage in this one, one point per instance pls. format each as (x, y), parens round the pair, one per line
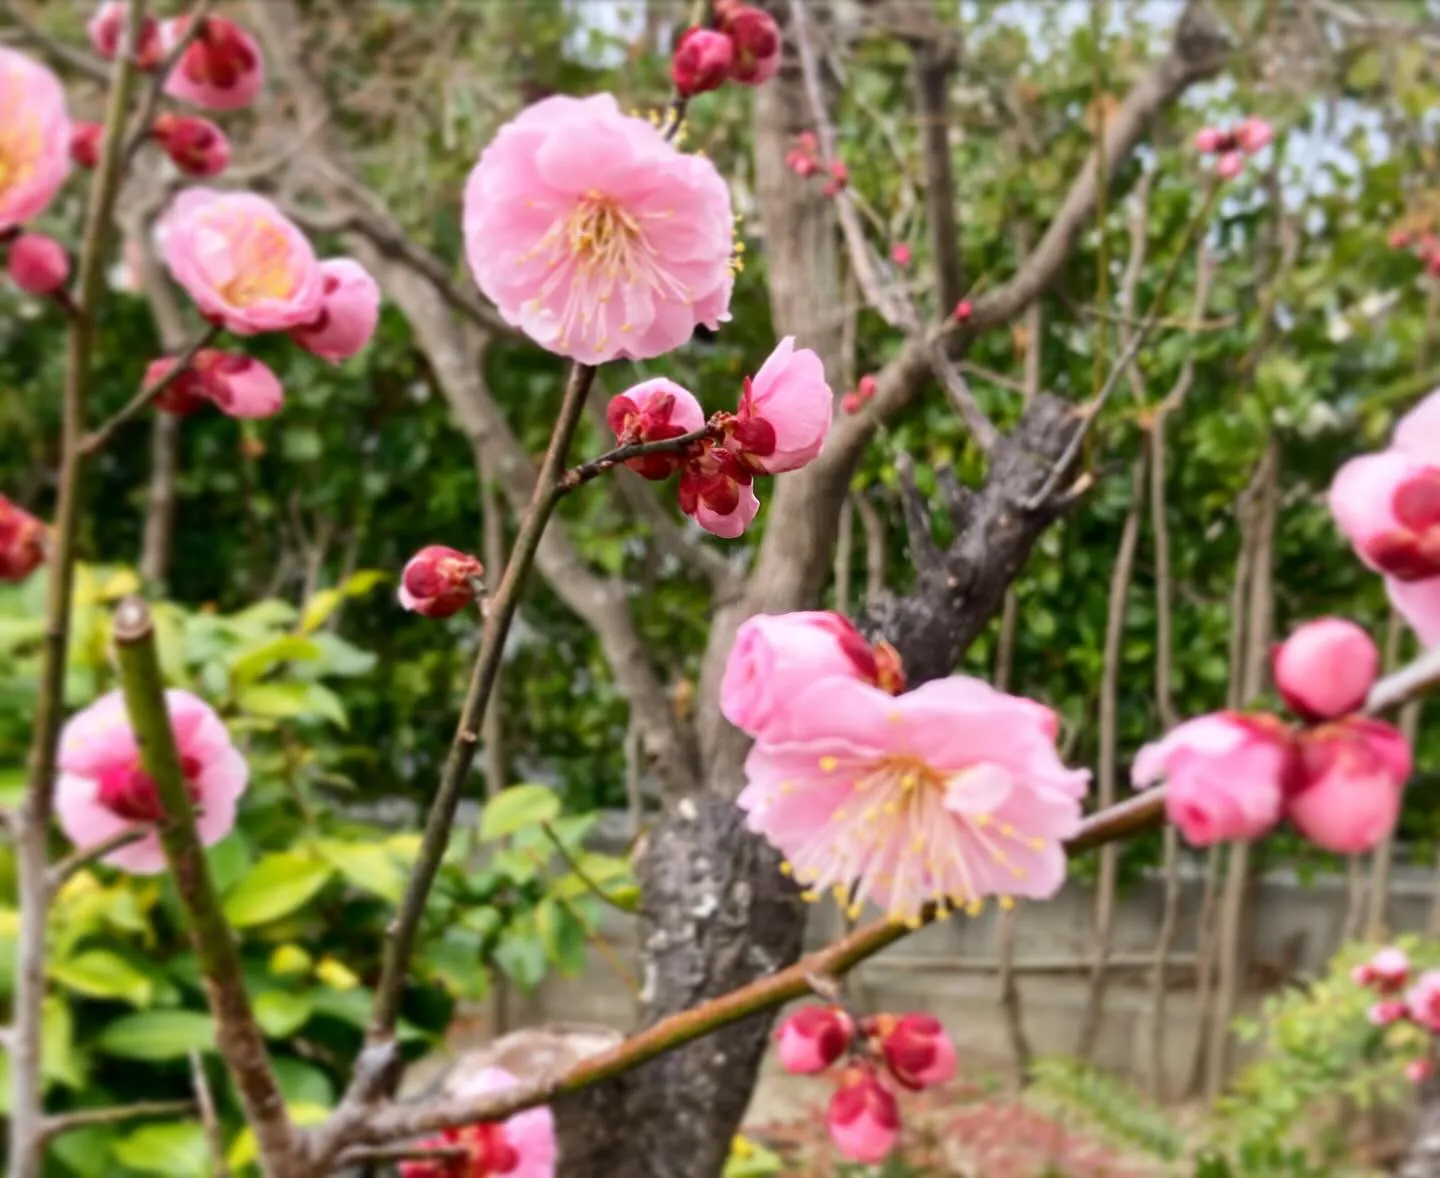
(308, 887)
(1115, 1107)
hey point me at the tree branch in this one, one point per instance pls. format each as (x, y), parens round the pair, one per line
(238, 1036)
(932, 66)
(57, 51)
(397, 1121)
(146, 396)
(85, 1117)
(33, 819)
(140, 129)
(577, 476)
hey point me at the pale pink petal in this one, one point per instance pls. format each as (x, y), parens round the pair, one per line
(34, 138)
(1418, 432)
(1419, 604)
(1363, 491)
(731, 525)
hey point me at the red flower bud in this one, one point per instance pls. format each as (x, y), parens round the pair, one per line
(38, 264)
(85, 142)
(756, 39)
(438, 581)
(813, 1038)
(196, 146)
(22, 542)
(702, 61)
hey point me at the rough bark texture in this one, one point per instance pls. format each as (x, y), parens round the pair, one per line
(717, 914)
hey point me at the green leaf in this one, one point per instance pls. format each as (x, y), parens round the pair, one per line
(563, 936)
(99, 973)
(363, 581)
(319, 608)
(521, 807)
(265, 615)
(522, 957)
(276, 886)
(175, 1148)
(281, 1013)
(292, 701)
(158, 1035)
(253, 662)
(303, 1083)
(58, 1060)
(368, 866)
(87, 1152)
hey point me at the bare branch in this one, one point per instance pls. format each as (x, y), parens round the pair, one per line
(146, 396)
(933, 62)
(981, 428)
(57, 51)
(86, 1117)
(33, 822)
(150, 102)
(237, 1034)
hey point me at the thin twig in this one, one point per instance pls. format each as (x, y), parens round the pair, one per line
(578, 475)
(981, 428)
(146, 396)
(86, 1117)
(83, 857)
(503, 605)
(214, 1134)
(34, 818)
(367, 1155)
(237, 1034)
(1091, 411)
(159, 76)
(581, 874)
(91, 67)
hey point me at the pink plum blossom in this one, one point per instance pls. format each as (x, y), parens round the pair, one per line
(900, 254)
(716, 492)
(784, 412)
(1224, 774)
(863, 1118)
(107, 26)
(1424, 1000)
(1347, 783)
(948, 793)
(222, 68)
(103, 790)
(756, 37)
(654, 411)
(776, 656)
(1208, 140)
(1230, 165)
(38, 264)
(240, 385)
(243, 262)
(521, 1147)
(22, 542)
(34, 138)
(701, 61)
(812, 1038)
(1387, 971)
(916, 1049)
(594, 235)
(1388, 505)
(1326, 668)
(1417, 1071)
(438, 581)
(196, 146)
(349, 311)
(1382, 1014)
(1253, 135)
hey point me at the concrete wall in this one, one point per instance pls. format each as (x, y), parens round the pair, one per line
(948, 969)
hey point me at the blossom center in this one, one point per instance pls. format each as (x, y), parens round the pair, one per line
(603, 236)
(19, 145)
(1411, 551)
(129, 792)
(260, 254)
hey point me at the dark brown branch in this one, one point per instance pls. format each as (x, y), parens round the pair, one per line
(578, 475)
(82, 858)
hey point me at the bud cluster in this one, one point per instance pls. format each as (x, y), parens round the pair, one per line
(743, 46)
(883, 1053)
(1232, 145)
